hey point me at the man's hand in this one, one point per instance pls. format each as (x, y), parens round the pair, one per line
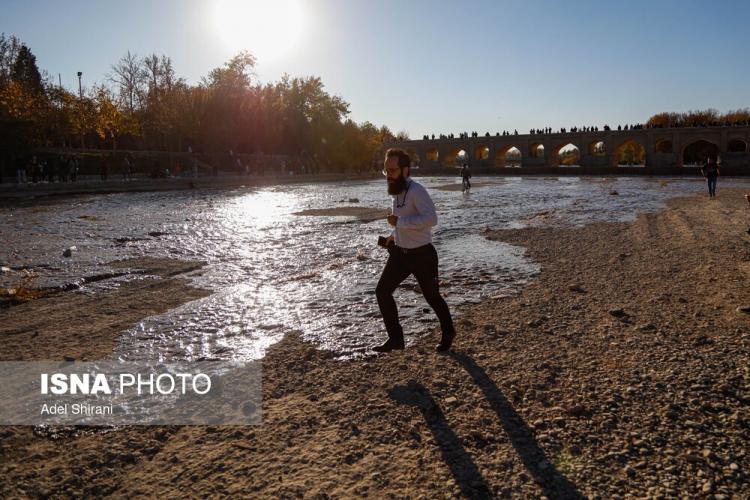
(390, 241)
(392, 219)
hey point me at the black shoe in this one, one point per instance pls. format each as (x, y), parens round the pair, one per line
(389, 345)
(445, 342)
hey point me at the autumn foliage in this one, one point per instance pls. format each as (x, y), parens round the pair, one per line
(144, 105)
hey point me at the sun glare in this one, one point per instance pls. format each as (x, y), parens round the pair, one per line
(268, 29)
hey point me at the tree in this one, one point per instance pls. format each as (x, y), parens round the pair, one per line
(402, 135)
(110, 123)
(25, 71)
(695, 118)
(130, 77)
(737, 116)
(9, 48)
(236, 74)
(159, 110)
(229, 108)
(59, 116)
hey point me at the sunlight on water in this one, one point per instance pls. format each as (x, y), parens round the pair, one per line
(273, 272)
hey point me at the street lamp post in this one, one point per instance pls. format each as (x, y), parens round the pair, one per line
(80, 96)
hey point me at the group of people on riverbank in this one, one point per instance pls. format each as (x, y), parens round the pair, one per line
(53, 169)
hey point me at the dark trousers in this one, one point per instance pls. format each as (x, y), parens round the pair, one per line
(424, 266)
(711, 186)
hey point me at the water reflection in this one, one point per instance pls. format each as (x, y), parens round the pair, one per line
(273, 271)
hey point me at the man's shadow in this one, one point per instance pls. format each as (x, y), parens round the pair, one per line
(464, 470)
(466, 473)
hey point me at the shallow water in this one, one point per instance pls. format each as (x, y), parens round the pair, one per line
(273, 271)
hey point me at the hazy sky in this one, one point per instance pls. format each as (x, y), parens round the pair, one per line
(428, 66)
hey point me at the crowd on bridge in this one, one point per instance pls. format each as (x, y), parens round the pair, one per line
(563, 130)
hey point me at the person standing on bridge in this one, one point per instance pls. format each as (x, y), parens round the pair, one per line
(410, 251)
(710, 171)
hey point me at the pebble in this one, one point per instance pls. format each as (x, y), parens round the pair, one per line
(617, 313)
(577, 410)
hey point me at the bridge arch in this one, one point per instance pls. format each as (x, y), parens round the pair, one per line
(567, 155)
(508, 156)
(631, 152)
(536, 150)
(454, 156)
(414, 155)
(481, 152)
(696, 152)
(663, 146)
(597, 148)
(432, 155)
(737, 146)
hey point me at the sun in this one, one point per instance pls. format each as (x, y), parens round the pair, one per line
(268, 29)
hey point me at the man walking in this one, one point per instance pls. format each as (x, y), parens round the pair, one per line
(465, 176)
(710, 171)
(410, 251)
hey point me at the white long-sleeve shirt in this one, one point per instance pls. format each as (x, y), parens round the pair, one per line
(415, 218)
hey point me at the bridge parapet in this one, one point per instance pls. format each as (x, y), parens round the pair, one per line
(657, 149)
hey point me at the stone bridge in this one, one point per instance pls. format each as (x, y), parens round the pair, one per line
(645, 150)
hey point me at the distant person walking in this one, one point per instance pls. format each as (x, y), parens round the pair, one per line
(710, 171)
(75, 164)
(126, 168)
(34, 168)
(20, 170)
(52, 168)
(64, 169)
(71, 167)
(465, 176)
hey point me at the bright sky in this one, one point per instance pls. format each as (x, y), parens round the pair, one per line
(427, 66)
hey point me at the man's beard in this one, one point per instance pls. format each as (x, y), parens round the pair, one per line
(398, 186)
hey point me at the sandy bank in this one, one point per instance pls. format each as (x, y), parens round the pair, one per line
(86, 327)
(459, 186)
(364, 214)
